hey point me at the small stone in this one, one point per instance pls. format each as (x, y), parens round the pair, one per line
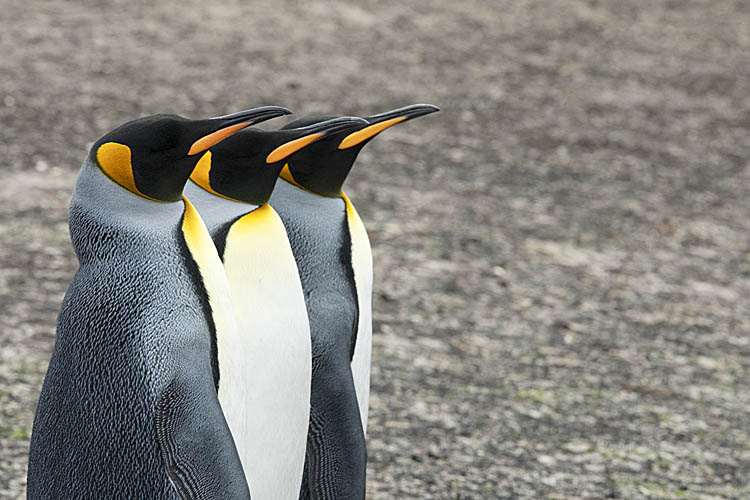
(547, 460)
(41, 166)
(578, 446)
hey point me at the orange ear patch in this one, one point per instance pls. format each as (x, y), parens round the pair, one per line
(114, 160)
(201, 176)
(201, 172)
(286, 174)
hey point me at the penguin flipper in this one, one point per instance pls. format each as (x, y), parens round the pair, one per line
(196, 445)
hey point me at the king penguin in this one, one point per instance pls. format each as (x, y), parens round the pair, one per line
(333, 255)
(129, 405)
(230, 187)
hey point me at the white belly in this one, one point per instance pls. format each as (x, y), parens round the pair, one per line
(272, 321)
(362, 265)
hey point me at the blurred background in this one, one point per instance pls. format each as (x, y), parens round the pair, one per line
(562, 255)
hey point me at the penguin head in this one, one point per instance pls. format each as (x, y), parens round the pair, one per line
(323, 167)
(245, 167)
(153, 156)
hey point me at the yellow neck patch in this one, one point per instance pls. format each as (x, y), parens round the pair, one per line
(351, 212)
(201, 177)
(114, 160)
(261, 222)
(192, 226)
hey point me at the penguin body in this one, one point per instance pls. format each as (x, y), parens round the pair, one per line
(268, 302)
(129, 407)
(118, 367)
(272, 321)
(333, 254)
(318, 230)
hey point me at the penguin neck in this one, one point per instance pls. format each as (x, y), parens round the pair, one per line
(98, 193)
(288, 189)
(295, 204)
(215, 210)
(103, 211)
(286, 175)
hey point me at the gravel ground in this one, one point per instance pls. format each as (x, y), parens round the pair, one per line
(562, 255)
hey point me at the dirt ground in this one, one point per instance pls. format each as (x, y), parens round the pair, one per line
(562, 255)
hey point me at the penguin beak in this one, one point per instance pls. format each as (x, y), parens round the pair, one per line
(311, 134)
(380, 122)
(222, 127)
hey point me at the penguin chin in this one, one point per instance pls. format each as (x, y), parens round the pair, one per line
(321, 178)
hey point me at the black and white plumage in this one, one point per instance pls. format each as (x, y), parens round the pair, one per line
(333, 254)
(230, 187)
(129, 406)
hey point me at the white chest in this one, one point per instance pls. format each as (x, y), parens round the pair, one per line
(274, 332)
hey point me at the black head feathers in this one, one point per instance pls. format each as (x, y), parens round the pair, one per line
(323, 167)
(153, 156)
(245, 166)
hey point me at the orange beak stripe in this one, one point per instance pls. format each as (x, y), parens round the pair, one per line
(209, 140)
(290, 147)
(362, 135)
